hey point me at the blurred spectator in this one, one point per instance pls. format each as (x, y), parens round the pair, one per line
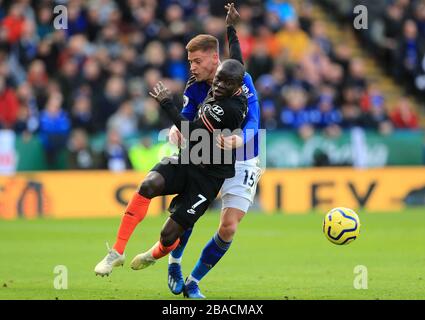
(113, 95)
(341, 55)
(48, 53)
(351, 116)
(389, 29)
(82, 114)
(21, 125)
(324, 114)
(28, 116)
(295, 115)
(154, 56)
(38, 78)
(377, 117)
(246, 40)
(77, 21)
(305, 15)
(114, 156)
(144, 155)
(44, 24)
(292, 41)
(146, 22)
(124, 121)
(54, 129)
(314, 65)
(419, 13)
(150, 119)
(283, 9)
(8, 105)
(267, 39)
(319, 36)
(174, 20)
(356, 74)
(176, 66)
(26, 48)
(408, 54)
(14, 22)
(260, 61)
(81, 156)
(93, 77)
(351, 96)
(403, 116)
(266, 87)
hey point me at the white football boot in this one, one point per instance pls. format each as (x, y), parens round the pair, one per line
(143, 260)
(111, 260)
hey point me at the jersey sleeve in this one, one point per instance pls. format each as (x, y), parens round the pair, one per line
(189, 109)
(205, 121)
(250, 129)
(234, 45)
(252, 121)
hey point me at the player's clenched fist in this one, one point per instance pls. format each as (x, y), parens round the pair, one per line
(161, 92)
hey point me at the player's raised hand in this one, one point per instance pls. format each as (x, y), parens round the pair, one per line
(232, 14)
(161, 92)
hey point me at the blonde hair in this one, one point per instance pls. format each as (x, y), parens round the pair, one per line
(203, 42)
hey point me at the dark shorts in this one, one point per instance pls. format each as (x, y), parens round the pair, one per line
(195, 190)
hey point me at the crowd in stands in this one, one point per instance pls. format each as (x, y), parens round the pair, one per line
(65, 86)
(395, 35)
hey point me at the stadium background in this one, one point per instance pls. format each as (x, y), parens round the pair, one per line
(343, 111)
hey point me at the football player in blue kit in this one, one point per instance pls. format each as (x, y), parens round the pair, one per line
(237, 193)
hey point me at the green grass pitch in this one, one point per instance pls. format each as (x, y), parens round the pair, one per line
(272, 257)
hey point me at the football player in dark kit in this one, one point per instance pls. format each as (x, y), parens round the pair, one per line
(196, 181)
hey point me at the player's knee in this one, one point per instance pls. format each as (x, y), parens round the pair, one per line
(168, 237)
(151, 187)
(227, 230)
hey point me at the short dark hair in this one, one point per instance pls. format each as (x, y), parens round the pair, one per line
(235, 68)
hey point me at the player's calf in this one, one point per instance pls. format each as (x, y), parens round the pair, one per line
(229, 221)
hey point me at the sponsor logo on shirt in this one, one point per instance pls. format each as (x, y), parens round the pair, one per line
(246, 91)
(217, 110)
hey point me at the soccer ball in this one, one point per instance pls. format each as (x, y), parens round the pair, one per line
(341, 225)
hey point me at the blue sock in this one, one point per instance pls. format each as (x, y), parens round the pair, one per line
(212, 253)
(178, 252)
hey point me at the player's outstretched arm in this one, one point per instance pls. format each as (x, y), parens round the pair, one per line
(231, 19)
(163, 95)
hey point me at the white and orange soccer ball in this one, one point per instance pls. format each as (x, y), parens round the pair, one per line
(341, 225)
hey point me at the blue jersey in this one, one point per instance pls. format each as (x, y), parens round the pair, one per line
(196, 92)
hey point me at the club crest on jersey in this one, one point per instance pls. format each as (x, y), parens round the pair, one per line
(185, 100)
